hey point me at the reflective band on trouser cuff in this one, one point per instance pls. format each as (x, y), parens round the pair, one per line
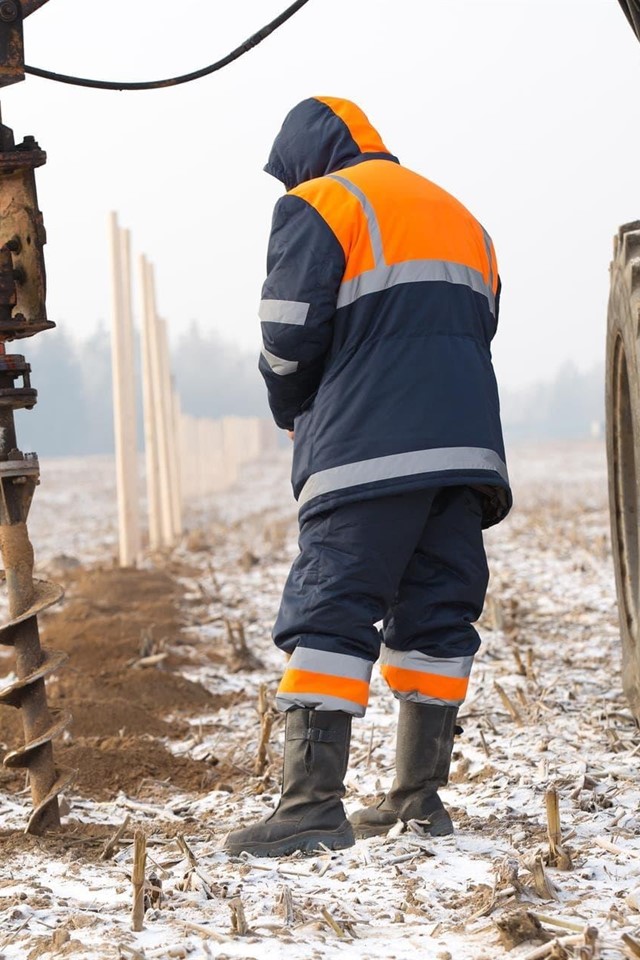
(402, 465)
(318, 680)
(283, 311)
(278, 365)
(384, 276)
(419, 677)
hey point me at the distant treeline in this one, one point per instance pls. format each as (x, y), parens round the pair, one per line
(215, 379)
(569, 406)
(74, 413)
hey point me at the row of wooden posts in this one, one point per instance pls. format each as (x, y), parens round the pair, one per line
(185, 457)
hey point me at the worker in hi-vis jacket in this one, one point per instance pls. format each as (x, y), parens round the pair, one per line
(377, 313)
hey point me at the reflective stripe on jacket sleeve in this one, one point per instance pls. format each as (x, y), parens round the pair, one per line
(305, 266)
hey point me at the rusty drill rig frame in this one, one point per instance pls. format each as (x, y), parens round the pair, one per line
(23, 314)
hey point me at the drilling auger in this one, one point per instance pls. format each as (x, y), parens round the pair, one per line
(23, 314)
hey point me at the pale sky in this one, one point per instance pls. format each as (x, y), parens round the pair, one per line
(526, 110)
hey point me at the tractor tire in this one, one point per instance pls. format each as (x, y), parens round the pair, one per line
(623, 446)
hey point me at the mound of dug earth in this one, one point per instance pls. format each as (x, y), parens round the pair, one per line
(120, 629)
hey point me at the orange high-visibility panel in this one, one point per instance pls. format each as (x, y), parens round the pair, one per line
(308, 682)
(428, 684)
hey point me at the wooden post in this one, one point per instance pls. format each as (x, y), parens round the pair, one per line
(167, 393)
(202, 462)
(176, 448)
(189, 457)
(124, 396)
(218, 464)
(149, 402)
(230, 448)
(160, 416)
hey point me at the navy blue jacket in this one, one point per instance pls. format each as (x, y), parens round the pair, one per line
(377, 313)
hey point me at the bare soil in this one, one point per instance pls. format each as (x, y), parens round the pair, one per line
(110, 619)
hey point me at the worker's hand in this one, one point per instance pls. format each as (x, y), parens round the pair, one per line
(291, 435)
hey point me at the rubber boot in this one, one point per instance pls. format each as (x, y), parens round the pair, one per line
(423, 757)
(310, 811)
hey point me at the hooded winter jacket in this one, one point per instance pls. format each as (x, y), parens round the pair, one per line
(377, 314)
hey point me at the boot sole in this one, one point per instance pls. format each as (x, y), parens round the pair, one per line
(438, 830)
(308, 842)
(364, 833)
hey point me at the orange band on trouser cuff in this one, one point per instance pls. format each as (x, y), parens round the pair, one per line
(315, 686)
(429, 686)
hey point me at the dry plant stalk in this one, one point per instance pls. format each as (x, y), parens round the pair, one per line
(370, 747)
(614, 848)
(522, 670)
(555, 949)
(632, 944)
(560, 922)
(266, 725)
(285, 904)
(531, 673)
(241, 657)
(111, 845)
(239, 924)
(541, 882)
(508, 703)
(591, 948)
(494, 609)
(187, 852)
(204, 931)
(129, 953)
(137, 880)
(483, 741)
(335, 926)
(558, 856)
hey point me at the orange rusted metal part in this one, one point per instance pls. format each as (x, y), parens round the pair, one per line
(22, 234)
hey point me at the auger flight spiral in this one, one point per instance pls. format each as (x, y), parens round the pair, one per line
(23, 314)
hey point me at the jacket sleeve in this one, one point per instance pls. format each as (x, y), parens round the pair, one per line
(305, 266)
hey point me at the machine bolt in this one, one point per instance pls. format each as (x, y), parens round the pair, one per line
(8, 11)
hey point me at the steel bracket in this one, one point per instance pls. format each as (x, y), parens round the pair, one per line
(12, 15)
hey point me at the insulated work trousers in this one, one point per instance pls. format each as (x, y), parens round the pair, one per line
(415, 561)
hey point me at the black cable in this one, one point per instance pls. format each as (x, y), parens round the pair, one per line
(253, 41)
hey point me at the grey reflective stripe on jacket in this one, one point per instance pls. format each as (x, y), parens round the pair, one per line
(372, 221)
(401, 465)
(383, 276)
(283, 311)
(278, 365)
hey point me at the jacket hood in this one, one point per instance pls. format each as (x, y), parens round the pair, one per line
(321, 135)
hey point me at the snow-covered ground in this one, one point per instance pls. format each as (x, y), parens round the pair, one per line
(544, 711)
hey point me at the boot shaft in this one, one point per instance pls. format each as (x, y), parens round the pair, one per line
(316, 755)
(423, 758)
(310, 812)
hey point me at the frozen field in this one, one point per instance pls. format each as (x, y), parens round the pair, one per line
(544, 710)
